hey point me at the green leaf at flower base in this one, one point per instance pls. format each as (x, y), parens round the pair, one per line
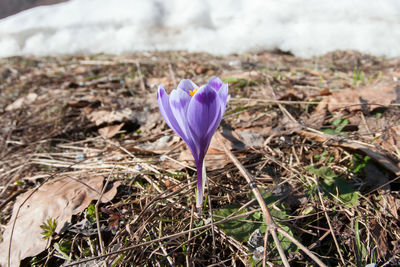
(278, 212)
(347, 194)
(240, 228)
(257, 215)
(269, 198)
(323, 172)
(336, 185)
(286, 244)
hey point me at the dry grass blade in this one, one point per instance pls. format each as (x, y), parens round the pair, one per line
(97, 212)
(329, 223)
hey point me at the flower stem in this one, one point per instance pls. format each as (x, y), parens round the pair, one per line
(201, 181)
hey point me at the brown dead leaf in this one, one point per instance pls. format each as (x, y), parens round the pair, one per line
(389, 204)
(368, 125)
(79, 70)
(365, 99)
(58, 200)
(166, 82)
(110, 131)
(159, 146)
(200, 69)
(252, 138)
(151, 122)
(380, 237)
(393, 205)
(247, 75)
(244, 119)
(324, 92)
(291, 95)
(22, 101)
(105, 116)
(171, 185)
(391, 140)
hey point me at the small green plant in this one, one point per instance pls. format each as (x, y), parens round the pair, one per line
(184, 250)
(242, 228)
(20, 183)
(63, 249)
(360, 247)
(49, 228)
(230, 80)
(179, 176)
(335, 185)
(91, 213)
(358, 77)
(237, 83)
(38, 260)
(359, 162)
(338, 126)
(324, 156)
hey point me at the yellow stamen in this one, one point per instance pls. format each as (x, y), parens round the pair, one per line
(193, 92)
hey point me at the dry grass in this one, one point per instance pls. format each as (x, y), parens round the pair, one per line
(336, 194)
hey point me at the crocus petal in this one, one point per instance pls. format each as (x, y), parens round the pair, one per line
(223, 96)
(214, 126)
(203, 113)
(215, 83)
(187, 85)
(179, 101)
(222, 89)
(166, 112)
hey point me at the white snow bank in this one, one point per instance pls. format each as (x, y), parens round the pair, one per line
(306, 28)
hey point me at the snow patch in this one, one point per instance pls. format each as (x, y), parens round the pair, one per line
(306, 28)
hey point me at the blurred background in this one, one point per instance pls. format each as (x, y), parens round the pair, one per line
(303, 28)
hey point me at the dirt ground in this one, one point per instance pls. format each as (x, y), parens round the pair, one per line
(91, 174)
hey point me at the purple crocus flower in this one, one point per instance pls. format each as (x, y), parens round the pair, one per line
(194, 113)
